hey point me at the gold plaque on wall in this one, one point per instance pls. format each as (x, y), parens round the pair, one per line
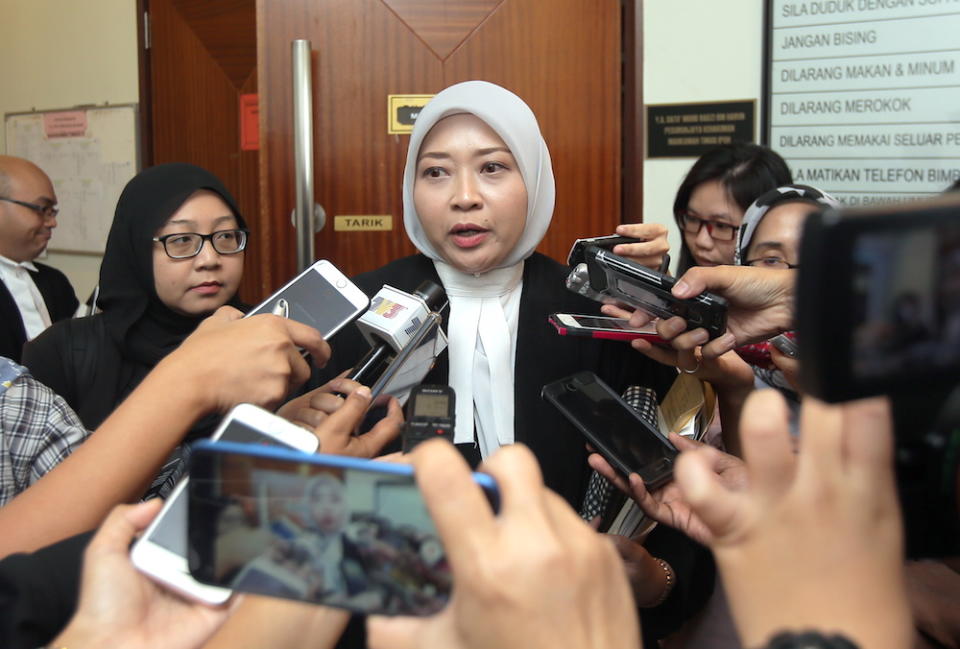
(362, 222)
(402, 112)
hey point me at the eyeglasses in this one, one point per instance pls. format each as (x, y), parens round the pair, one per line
(716, 229)
(770, 262)
(48, 212)
(183, 245)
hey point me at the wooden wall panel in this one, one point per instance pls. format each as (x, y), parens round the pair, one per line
(202, 57)
(562, 56)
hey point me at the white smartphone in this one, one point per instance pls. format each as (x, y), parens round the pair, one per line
(321, 297)
(161, 552)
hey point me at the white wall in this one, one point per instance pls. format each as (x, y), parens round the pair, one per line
(695, 50)
(59, 54)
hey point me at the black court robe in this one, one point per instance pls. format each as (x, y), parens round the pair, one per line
(57, 294)
(543, 356)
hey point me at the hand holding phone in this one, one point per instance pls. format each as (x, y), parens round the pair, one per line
(321, 297)
(615, 429)
(510, 545)
(161, 551)
(325, 529)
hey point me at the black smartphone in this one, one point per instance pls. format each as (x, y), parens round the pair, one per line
(642, 288)
(615, 429)
(325, 529)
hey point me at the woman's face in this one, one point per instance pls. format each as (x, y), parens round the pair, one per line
(327, 507)
(469, 194)
(201, 284)
(777, 237)
(710, 201)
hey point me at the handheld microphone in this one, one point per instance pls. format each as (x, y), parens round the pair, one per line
(390, 324)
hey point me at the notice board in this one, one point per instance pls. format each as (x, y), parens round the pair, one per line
(89, 154)
(863, 96)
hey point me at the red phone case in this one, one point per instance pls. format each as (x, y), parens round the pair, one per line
(563, 330)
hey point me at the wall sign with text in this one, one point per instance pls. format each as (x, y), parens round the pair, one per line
(690, 130)
(863, 96)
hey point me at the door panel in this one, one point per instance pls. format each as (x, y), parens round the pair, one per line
(562, 57)
(202, 57)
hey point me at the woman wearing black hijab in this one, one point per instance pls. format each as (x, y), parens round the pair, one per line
(174, 255)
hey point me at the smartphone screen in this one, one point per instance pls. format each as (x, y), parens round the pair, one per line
(320, 297)
(613, 427)
(172, 532)
(316, 530)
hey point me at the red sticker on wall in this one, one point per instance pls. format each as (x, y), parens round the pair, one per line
(249, 122)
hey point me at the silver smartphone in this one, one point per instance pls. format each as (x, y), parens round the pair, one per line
(321, 297)
(161, 551)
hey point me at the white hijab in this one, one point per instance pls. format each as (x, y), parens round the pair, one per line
(484, 309)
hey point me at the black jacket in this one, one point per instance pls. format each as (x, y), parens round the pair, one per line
(57, 294)
(542, 357)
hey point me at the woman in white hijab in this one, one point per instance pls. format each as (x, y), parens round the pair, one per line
(478, 196)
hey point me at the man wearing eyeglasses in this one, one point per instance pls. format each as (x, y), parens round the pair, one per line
(32, 295)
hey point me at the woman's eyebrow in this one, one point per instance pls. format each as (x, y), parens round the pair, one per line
(193, 224)
(476, 154)
(495, 149)
(768, 244)
(717, 216)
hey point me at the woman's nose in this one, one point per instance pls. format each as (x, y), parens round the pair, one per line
(704, 240)
(466, 193)
(207, 257)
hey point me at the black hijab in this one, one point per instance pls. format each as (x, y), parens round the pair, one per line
(142, 327)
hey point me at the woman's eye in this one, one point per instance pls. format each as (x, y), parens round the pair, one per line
(722, 227)
(229, 235)
(492, 167)
(433, 172)
(772, 261)
(181, 240)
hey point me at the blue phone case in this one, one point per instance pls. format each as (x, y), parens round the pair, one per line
(338, 461)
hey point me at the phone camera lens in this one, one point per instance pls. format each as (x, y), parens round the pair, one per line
(571, 387)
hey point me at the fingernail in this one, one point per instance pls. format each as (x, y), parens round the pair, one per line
(728, 340)
(699, 337)
(675, 327)
(620, 229)
(363, 391)
(681, 288)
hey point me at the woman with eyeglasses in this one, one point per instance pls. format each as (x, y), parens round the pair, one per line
(173, 256)
(714, 195)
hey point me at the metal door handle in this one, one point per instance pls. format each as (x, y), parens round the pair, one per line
(304, 220)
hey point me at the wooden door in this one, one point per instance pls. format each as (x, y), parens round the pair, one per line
(199, 57)
(561, 56)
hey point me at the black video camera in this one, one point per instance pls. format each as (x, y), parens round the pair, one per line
(601, 275)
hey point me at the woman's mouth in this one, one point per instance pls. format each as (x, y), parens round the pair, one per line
(207, 288)
(468, 235)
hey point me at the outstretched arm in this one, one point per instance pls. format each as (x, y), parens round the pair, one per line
(225, 362)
